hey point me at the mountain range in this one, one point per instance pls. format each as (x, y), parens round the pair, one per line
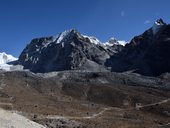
(146, 54)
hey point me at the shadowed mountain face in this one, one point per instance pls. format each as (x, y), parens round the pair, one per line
(68, 51)
(147, 54)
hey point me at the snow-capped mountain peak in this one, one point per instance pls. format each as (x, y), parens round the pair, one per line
(157, 26)
(5, 58)
(69, 34)
(113, 41)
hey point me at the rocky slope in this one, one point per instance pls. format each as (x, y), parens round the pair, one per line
(87, 99)
(147, 54)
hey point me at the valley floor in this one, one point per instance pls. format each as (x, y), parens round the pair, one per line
(56, 104)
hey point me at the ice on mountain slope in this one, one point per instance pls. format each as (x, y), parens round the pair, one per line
(92, 39)
(157, 26)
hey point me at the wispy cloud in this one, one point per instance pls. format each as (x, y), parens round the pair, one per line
(147, 22)
(122, 13)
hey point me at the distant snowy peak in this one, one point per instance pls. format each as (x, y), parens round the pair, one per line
(158, 25)
(5, 58)
(122, 42)
(114, 41)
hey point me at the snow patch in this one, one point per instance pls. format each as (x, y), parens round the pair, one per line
(62, 45)
(92, 39)
(5, 67)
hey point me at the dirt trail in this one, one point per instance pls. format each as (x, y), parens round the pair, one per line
(81, 117)
(154, 104)
(104, 110)
(10, 119)
(8, 104)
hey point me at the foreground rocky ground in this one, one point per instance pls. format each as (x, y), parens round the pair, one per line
(14, 120)
(88, 100)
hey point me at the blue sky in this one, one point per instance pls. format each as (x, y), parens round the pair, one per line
(23, 20)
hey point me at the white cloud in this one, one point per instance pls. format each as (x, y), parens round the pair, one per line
(122, 13)
(147, 22)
